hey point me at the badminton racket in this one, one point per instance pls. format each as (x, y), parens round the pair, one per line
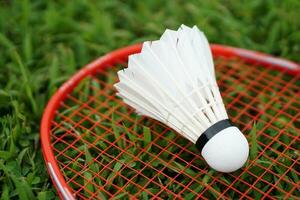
(96, 147)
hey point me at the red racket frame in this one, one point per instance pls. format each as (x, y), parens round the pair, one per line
(109, 60)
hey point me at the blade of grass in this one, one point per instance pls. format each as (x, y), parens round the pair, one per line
(88, 186)
(5, 192)
(118, 165)
(200, 187)
(253, 149)
(147, 137)
(53, 74)
(116, 132)
(25, 77)
(95, 168)
(131, 136)
(120, 196)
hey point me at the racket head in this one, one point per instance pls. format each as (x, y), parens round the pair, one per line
(95, 146)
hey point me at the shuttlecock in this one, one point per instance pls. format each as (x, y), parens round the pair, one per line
(173, 81)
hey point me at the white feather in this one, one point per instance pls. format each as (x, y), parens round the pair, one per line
(173, 80)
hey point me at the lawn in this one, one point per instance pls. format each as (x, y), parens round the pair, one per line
(42, 43)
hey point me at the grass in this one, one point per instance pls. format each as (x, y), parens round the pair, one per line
(43, 42)
(254, 149)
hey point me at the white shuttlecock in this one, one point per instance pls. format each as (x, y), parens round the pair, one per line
(173, 81)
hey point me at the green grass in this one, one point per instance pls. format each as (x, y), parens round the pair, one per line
(42, 43)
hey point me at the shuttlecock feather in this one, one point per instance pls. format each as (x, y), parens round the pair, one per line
(173, 81)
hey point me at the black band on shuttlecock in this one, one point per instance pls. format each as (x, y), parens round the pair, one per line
(211, 132)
